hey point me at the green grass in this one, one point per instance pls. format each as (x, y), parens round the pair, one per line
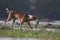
(30, 33)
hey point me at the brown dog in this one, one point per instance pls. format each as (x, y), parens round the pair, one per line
(13, 14)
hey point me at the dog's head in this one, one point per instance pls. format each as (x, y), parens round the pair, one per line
(32, 17)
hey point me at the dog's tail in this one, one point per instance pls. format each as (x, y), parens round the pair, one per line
(7, 10)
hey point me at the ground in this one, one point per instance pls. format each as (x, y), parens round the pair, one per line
(30, 33)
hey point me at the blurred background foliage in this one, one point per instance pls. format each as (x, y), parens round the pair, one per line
(41, 8)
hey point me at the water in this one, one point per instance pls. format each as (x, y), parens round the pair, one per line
(22, 39)
(34, 22)
(57, 22)
(47, 29)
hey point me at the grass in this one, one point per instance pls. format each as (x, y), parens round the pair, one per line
(30, 33)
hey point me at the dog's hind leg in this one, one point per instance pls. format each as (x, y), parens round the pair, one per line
(13, 23)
